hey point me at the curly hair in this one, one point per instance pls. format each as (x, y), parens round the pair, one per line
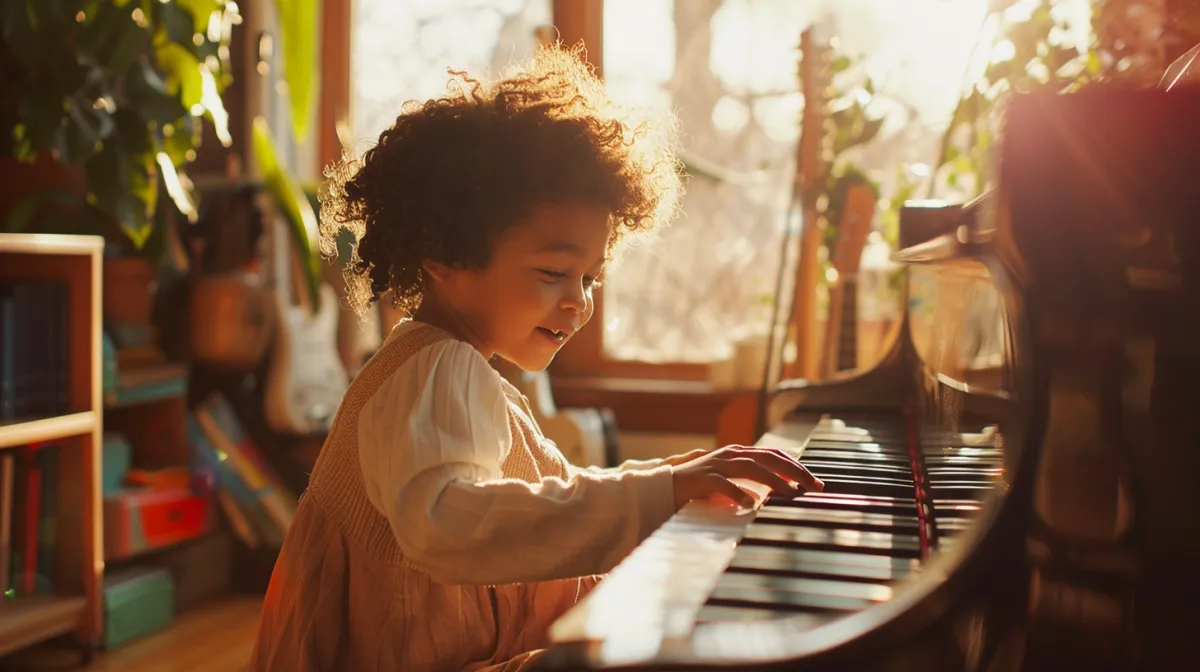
(452, 173)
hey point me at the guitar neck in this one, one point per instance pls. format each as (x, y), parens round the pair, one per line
(847, 352)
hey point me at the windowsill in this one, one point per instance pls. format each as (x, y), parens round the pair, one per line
(649, 405)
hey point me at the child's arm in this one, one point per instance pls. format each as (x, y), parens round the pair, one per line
(431, 443)
(642, 465)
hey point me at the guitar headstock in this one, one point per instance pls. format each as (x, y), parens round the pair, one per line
(853, 229)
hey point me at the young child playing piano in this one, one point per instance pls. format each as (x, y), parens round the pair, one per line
(441, 530)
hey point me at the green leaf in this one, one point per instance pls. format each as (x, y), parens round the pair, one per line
(201, 10)
(110, 36)
(23, 149)
(300, 41)
(150, 96)
(119, 184)
(180, 25)
(183, 72)
(179, 141)
(41, 113)
(131, 43)
(292, 203)
(143, 184)
(132, 132)
(21, 217)
(19, 33)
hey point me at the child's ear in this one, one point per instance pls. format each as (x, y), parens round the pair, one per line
(437, 271)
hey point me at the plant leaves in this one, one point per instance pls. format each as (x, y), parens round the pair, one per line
(21, 217)
(300, 40)
(149, 94)
(41, 113)
(19, 34)
(292, 203)
(179, 24)
(200, 11)
(179, 141)
(183, 73)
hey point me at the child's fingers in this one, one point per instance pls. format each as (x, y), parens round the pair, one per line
(785, 465)
(683, 458)
(752, 470)
(719, 485)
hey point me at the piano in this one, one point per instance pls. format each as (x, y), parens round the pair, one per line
(1016, 485)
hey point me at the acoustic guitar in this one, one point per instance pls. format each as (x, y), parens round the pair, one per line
(841, 329)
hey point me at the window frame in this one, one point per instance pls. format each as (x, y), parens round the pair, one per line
(583, 356)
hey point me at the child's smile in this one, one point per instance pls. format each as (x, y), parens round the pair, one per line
(535, 294)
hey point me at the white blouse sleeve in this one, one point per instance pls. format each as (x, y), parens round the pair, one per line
(627, 465)
(431, 441)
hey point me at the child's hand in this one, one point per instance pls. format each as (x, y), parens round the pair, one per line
(683, 458)
(706, 475)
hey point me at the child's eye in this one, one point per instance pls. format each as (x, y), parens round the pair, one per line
(551, 276)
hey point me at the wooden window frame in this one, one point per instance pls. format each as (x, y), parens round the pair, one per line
(584, 357)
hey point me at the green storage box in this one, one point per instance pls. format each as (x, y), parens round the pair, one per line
(137, 602)
(116, 455)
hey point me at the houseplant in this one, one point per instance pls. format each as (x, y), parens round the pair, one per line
(103, 104)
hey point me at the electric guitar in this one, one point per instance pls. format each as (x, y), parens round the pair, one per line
(306, 379)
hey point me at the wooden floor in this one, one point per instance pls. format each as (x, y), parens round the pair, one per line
(217, 637)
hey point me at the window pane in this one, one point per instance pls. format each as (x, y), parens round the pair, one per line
(401, 49)
(729, 69)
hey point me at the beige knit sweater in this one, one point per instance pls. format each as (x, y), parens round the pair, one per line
(440, 529)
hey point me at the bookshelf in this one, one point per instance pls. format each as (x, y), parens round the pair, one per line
(76, 606)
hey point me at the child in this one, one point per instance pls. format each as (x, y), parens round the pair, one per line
(440, 529)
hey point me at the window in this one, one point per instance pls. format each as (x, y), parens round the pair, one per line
(729, 70)
(400, 50)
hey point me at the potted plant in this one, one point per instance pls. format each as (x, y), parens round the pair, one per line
(103, 111)
(104, 104)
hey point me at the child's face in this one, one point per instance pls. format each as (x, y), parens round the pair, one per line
(537, 291)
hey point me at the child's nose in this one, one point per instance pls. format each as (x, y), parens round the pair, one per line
(575, 299)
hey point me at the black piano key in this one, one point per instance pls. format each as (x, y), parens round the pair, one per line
(712, 613)
(867, 486)
(963, 462)
(869, 593)
(764, 597)
(874, 447)
(821, 468)
(975, 492)
(981, 477)
(849, 541)
(854, 456)
(851, 520)
(900, 506)
(822, 564)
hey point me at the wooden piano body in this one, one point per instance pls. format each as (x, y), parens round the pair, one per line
(1015, 485)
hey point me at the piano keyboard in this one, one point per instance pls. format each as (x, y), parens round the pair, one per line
(891, 499)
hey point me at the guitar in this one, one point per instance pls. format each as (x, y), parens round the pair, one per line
(306, 379)
(841, 329)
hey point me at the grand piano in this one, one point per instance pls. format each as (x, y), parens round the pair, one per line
(1016, 485)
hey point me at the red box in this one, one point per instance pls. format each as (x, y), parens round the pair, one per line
(136, 521)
